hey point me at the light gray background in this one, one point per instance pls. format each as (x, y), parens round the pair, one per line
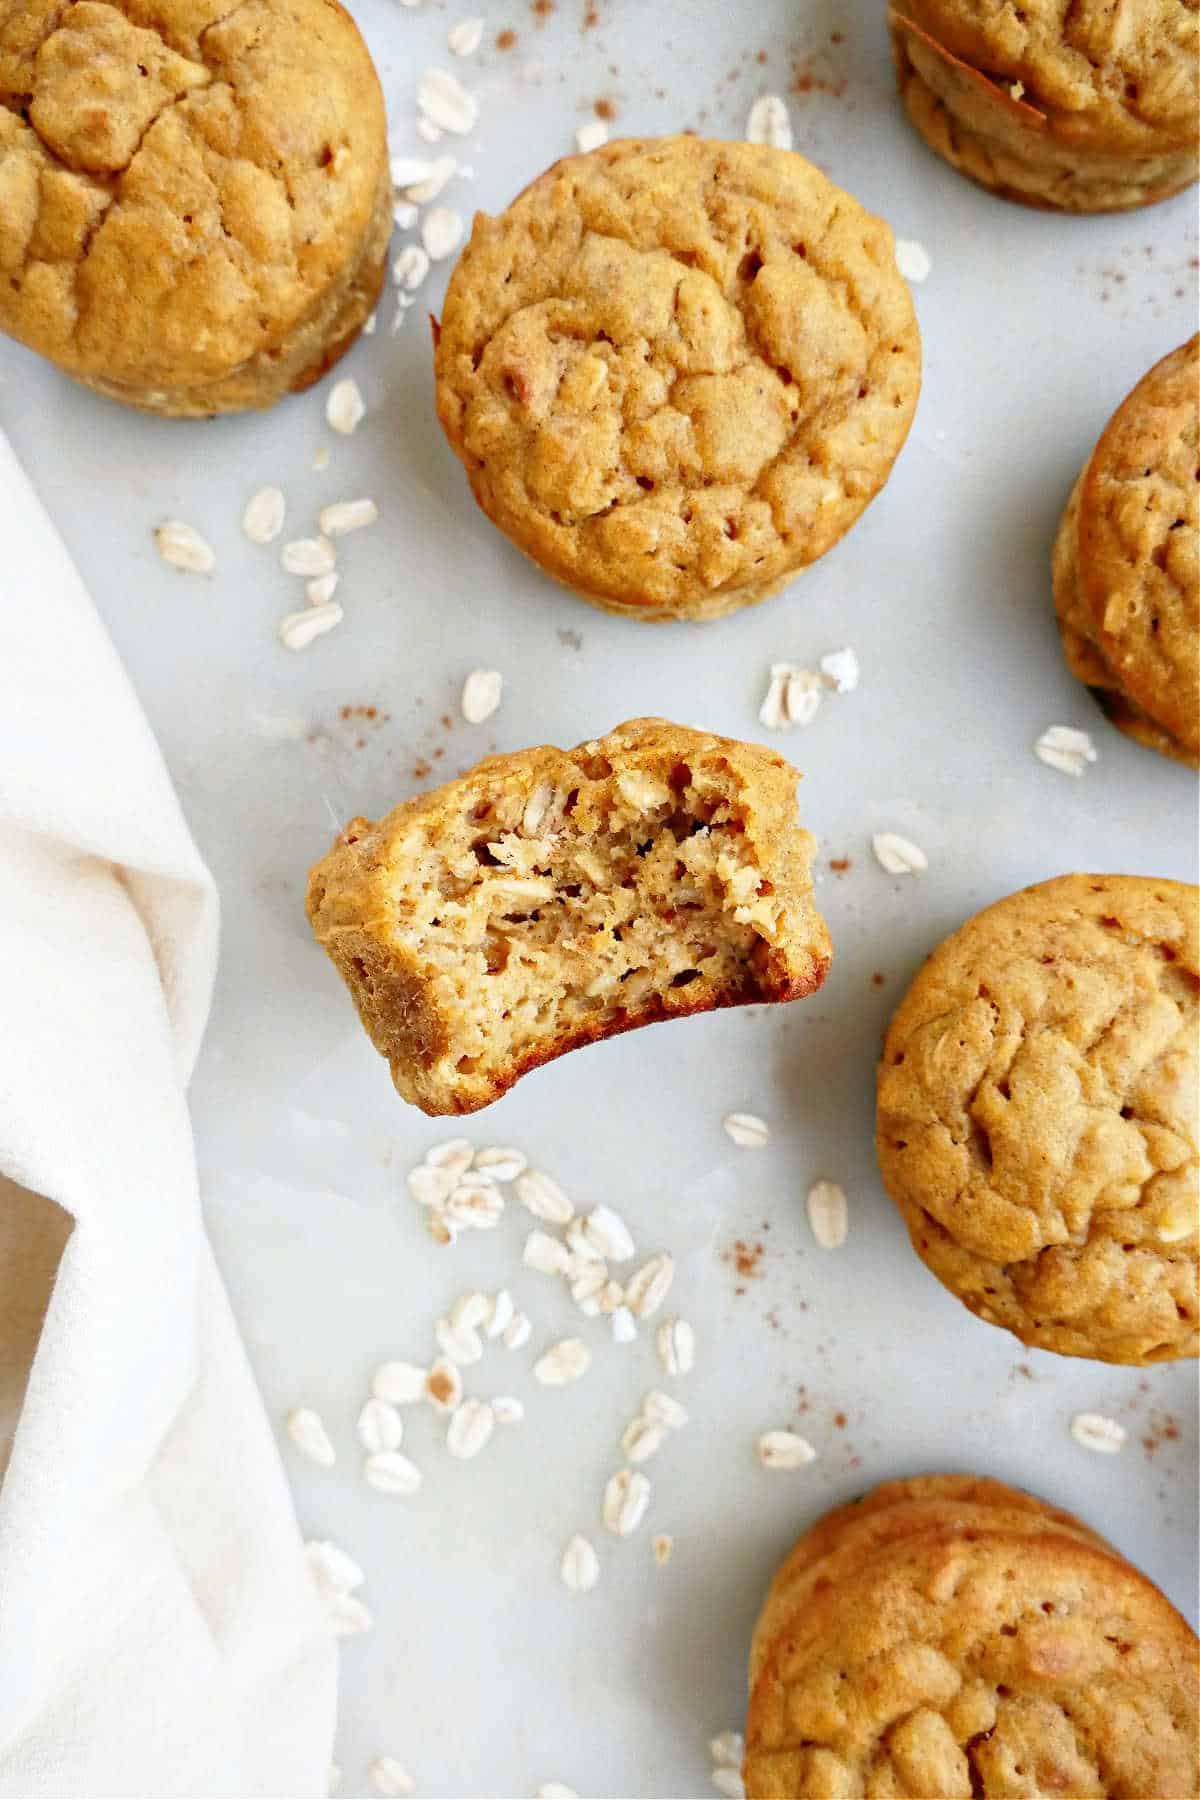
(483, 1674)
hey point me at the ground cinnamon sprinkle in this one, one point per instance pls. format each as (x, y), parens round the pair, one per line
(604, 108)
(745, 1258)
(506, 39)
(839, 864)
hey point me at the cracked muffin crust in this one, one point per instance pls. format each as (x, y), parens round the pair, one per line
(1037, 1116)
(676, 371)
(951, 1636)
(195, 202)
(1077, 105)
(550, 898)
(1126, 563)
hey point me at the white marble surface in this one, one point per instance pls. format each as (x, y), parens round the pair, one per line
(483, 1675)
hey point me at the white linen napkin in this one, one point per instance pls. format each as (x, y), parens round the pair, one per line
(159, 1634)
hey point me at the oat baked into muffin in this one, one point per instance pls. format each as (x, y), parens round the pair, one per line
(1126, 562)
(195, 202)
(951, 1636)
(676, 371)
(552, 897)
(1037, 1116)
(1086, 107)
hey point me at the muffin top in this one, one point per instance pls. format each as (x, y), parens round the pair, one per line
(1138, 555)
(969, 1657)
(179, 182)
(1037, 1115)
(1105, 76)
(676, 367)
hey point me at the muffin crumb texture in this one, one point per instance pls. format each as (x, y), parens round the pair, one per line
(1037, 1119)
(189, 221)
(949, 1635)
(550, 898)
(676, 371)
(1127, 562)
(1090, 107)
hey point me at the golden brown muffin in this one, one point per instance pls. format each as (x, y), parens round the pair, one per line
(195, 202)
(1037, 1116)
(1126, 562)
(996, 1649)
(553, 897)
(677, 371)
(1087, 107)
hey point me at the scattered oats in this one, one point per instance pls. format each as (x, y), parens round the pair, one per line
(470, 1311)
(298, 630)
(499, 1315)
(624, 1326)
(611, 1297)
(469, 1429)
(544, 1198)
(308, 556)
(461, 1344)
(399, 1383)
(556, 1790)
(827, 1214)
(769, 123)
(500, 1164)
(369, 327)
(380, 1427)
(390, 1472)
(320, 457)
(581, 1247)
(429, 1185)
(347, 1615)
(464, 38)
(454, 1155)
(626, 1497)
(476, 1203)
(588, 1283)
(912, 259)
(345, 516)
(1064, 748)
(517, 1332)
(545, 1254)
(410, 268)
(664, 1412)
(404, 215)
(606, 1233)
(646, 1291)
(443, 1386)
(481, 695)
(182, 547)
(391, 1777)
(676, 1346)
(1095, 1432)
(440, 1228)
(841, 671)
(410, 171)
(663, 1548)
(590, 135)
(773, 712)
(306, 1429)
(747, 1130)
(728, 1750)
(428, 130)
(898, 855)
(263, 518)
(729, 1782)
(802, 691)
(332, 1568)
(563, 1363)
(641, 1438)
(321, 589)
(507, 1409)
(784, 1450)
(580, 1566)
(446, 103)
(345, 408)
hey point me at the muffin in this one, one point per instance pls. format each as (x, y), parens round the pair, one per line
(1083, 108)
(195, 202)
(1037, 1116)
(676, 371)
(552, 897)
(951, 1636)
(1126, 562)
